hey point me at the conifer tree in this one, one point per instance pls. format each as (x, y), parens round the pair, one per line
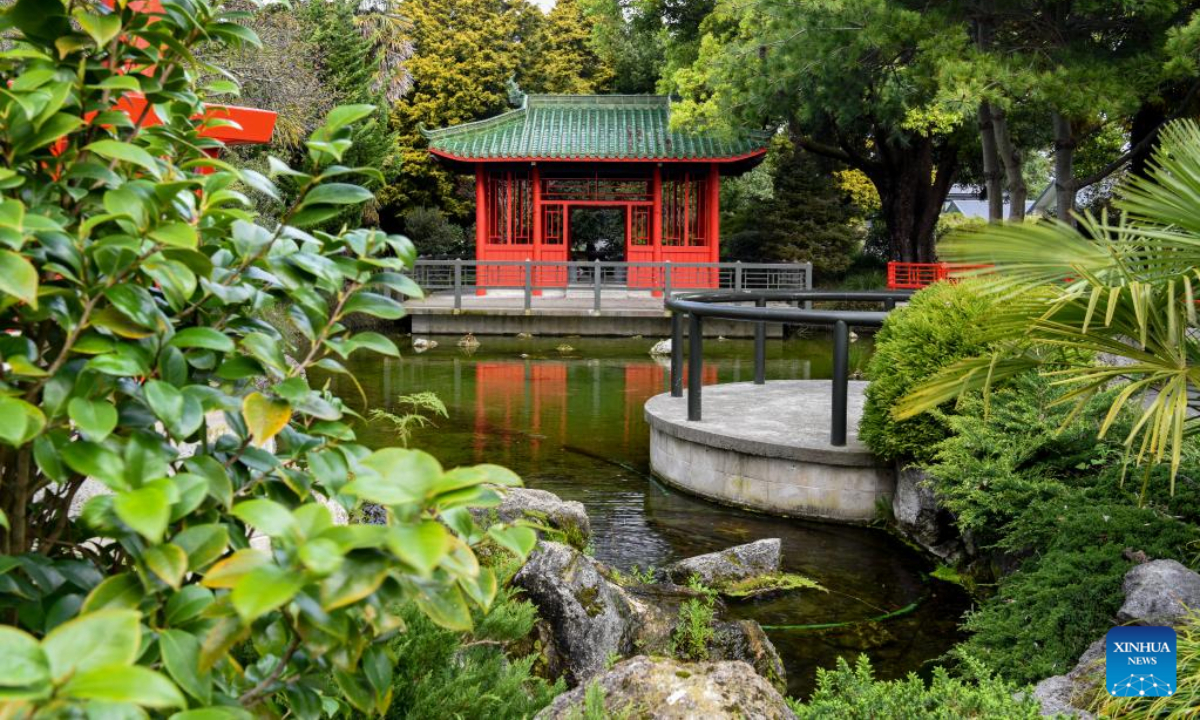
(562, 57)
(464, 54)
(810, 218)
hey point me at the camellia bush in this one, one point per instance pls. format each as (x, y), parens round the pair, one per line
(167, 464)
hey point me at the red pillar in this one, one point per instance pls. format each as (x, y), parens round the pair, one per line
(714, 212)
(481, 222)
(535, 235)
(656, 222)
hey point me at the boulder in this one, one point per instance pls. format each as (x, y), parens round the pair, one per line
(919, 517)
(666, 689)
(1156, 593)
(566, 516)
(730, 565)
(1159, 593)
(590, 618)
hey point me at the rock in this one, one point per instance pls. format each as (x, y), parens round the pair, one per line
(1159, 593)
(662, 347)
(919, 517)
(735, 563)
(745, 640)
(422, 344)
(566, 516)
(1058, 695)
(669, 690)
(590, 618)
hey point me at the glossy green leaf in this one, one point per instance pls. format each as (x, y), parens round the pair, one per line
(187, 604)
(266, 516)
(203, 544)
(147, 510)
(400, 476)
(96, 419)
(518, 540)
(181, 658)
(118, 683)
(100, 639)
(95, 460)
(119, 592)
(321, 555)
(125, 152)
(227, 572)
(18, 277)
(168, 562)
(23, 663)
(202, 337)
(177, 234)
(337, 194)
(264, 589)
(422, 545)
(375, 305)
(445, 606)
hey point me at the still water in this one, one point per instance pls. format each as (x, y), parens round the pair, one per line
(566, 413)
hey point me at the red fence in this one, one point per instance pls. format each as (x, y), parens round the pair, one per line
(914, 276)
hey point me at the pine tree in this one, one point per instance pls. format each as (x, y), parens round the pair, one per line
(810, 218)
(562, 56)
(464, 54)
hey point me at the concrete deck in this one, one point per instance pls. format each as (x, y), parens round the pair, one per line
(557, 312)
(766, 447)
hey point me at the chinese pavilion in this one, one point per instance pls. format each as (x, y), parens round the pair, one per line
(533, 165)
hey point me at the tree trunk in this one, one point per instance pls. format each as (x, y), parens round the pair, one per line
(991, 164)
(1010, 157)
(1146, 122)
(1064, 169)
(912, 192)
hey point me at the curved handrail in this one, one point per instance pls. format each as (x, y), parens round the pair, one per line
(719, 305)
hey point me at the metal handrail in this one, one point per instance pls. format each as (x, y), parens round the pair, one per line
(697, 306)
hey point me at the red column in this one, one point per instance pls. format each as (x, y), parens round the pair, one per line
(656, 222)
(714, 212)
(535, 235)
(481, 228)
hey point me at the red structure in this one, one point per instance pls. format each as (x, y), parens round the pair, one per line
(239, 126)
(534, 165)
(914, 276)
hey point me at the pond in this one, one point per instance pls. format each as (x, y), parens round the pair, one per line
(569, 420)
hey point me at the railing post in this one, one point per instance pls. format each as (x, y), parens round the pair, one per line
(695, 366)
(841, 362)
(596, 279)
(808, 283)
(528, 285)
(737, 276)
(676, 353)
(760, 347)
(667, 279)
(458, 283)
(889, 304)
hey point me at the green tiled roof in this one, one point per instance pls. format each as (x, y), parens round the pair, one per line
(608, 127)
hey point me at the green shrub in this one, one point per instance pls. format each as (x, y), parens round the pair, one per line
(1015, 450)
(846, 692)
(942, 323)
(433, 234)
(1062, 598)
(137, 372)
(442, 674)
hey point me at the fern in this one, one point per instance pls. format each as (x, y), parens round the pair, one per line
(417, 409)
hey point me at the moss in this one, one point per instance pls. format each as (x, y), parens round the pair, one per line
(587, 600)
(769, 583)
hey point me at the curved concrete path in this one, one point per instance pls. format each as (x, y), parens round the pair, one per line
(766, 447)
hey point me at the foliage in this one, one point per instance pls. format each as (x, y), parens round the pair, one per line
(416, 409)
(1063, 597)
(694, 628)
(807, 219)
(563, 58)
(1128, 294)
(136, 372)
(464, 52)
(854, 692)
(626, 41)
(941, 324)
(441, 673)
(433, 234)
(1017, 448)
(856, 81)
(769, 582)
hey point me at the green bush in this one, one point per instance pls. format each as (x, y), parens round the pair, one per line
(203, 570)
(1062, 598)
(846, 692)
(433, 234)
(441, 673)
(943, 323)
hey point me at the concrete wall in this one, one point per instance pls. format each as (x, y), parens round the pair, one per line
(481, 323)
(780, 486)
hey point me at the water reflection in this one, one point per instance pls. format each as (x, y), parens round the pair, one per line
(572, 423)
